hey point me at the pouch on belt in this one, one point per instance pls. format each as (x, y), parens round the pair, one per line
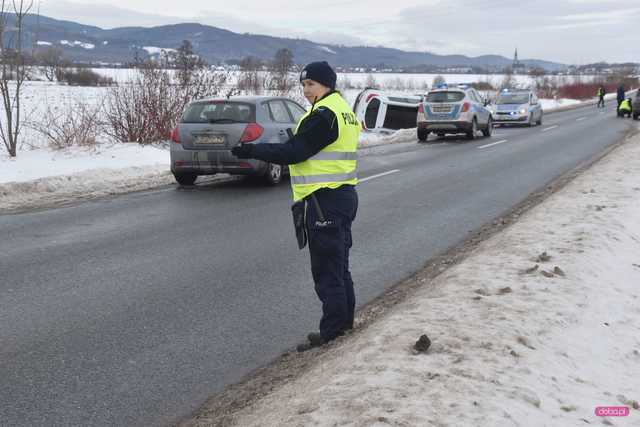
(298, 212)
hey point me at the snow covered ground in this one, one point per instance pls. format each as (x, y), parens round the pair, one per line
(45, 177)
(539, 326)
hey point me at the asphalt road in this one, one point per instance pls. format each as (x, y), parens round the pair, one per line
(133, 310)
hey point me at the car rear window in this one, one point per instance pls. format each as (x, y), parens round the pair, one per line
(444, 96)
(219, 111)
(521, 98)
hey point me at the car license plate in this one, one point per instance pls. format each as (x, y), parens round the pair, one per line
(210, 139)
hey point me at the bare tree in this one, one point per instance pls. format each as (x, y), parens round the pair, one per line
(51, 60)
(186, 62)
(75, 124)
(279, 80)
(508, 81)
(146, 109)
(250, 79)
(13, 67)
(371, 81)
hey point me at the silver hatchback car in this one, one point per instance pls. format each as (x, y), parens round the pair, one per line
(517, 107)
(209, 128)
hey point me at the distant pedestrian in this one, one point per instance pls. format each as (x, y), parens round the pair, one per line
(601, 93)
(322, 160)
(621, 95)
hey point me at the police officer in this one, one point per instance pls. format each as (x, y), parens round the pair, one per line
(620, 96)
(601, 93)
(322, 164)
(625, 108)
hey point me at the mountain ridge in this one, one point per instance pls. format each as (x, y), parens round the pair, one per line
(216, 45)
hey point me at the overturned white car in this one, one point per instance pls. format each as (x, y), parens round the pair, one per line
(378, 110)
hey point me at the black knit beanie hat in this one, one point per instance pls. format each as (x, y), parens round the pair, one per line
(320, 72)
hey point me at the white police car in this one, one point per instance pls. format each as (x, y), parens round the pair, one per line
(453, 109)
(517, 107)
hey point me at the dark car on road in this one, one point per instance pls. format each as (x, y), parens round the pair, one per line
(209, 128)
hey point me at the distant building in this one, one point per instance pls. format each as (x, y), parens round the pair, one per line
(459, 70)
(518, 67)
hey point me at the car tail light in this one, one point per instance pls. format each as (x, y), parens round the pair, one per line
(371, 96)
(421, 108)
(175, 135)
(465, 107)
(252, 132)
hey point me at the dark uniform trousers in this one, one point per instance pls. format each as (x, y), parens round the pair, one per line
(329, 244)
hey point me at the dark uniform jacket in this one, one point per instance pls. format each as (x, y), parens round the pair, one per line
(318, 130)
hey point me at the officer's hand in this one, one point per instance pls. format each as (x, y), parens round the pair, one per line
(242, 151)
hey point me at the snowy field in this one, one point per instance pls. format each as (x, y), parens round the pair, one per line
(411, 81)
(539, 326)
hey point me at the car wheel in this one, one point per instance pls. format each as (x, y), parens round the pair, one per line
(422, 135)
(489, 130)
(186, 178)
(273, 176)
(473, 131)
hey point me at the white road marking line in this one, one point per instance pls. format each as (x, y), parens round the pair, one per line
(493, 143)
(378, 175)
(549, 128)
(581, 119)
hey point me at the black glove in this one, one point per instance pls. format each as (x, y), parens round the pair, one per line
(242, 151)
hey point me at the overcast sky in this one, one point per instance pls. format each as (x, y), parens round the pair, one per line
(567, 31)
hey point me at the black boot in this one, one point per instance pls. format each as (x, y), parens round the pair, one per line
(314, 339)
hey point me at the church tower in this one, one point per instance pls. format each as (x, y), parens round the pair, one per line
(518, 67)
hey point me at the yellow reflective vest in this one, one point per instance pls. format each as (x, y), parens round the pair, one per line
(335, 164)
(625, 105)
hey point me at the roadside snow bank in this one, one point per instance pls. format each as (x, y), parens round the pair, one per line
(550, 105)
(43, 177)
(512, 344)
(372, 139)
(41, 163)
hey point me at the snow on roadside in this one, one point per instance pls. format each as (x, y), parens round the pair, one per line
(42, 177)
(372, 139)
(552, 104)
(42, 163)
(509, 346)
